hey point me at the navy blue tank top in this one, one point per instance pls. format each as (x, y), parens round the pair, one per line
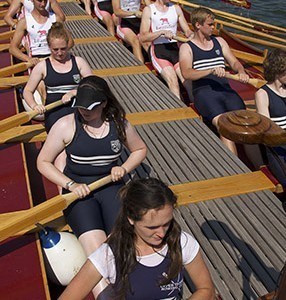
(277, 107)
(89, 158)
(152, 289)
(58, 84)
(208, 59)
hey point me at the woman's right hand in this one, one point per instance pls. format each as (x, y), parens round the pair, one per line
(219, 72)
(33, 61)
(80, 189)
(40, 108)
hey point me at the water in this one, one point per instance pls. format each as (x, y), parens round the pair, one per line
(272, 12)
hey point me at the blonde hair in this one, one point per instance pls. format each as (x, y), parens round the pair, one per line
(200, 14)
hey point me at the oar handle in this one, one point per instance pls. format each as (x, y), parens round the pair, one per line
(180, 39)
(22, 219)
(33, 113)
(71, 197)
(253, 81)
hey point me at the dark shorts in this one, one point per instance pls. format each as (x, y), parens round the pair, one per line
(276, 157)
(211, 101)
(105, 6)
(131, 23)
(98, 210)
(169, 51)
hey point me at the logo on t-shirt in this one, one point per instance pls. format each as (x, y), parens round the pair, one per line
(217, 51)
(175, 284)
(115, 146)
(76, 78)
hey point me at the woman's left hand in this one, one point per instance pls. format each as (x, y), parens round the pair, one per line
(117, 173)
(243, 77)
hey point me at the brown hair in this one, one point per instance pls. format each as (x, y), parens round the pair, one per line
(138, 197)
(57, 31)
(274, 64)
(199, 15)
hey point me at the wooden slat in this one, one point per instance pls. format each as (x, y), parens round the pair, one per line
(99, 39)
(79, 17)
(36, 133)
(122, 71)
(222, 187)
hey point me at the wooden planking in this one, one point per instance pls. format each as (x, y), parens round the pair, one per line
(106, 55)
(78, 28)
(233, 235)
(80, 17)
(36, 133)
(142, 92)
(72, 9)
(180, 151)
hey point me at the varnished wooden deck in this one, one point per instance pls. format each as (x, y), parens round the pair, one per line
(240, 223)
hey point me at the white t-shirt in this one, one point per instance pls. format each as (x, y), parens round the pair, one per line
(103, 258)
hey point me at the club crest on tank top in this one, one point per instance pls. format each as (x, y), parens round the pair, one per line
(115, 146)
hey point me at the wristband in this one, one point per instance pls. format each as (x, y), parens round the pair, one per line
(69, 184)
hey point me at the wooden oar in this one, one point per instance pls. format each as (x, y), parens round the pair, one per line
(22, 219)
(4, 47)
(17, 68)
(6, 35)
(222, 13)
(3, 13)
(24, 117)
(252, 31)
(249, 127)
(9, 82)
(253, 81)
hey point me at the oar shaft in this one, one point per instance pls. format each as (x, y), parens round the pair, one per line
(24, 117)
(253, 81)
(26, 218)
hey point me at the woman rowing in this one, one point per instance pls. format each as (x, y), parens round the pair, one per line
(61, 73)
(26, 7)
(159, 26)
(271, 102)
(202, 61)
(93, 138)
(128, 29)
(144, 256)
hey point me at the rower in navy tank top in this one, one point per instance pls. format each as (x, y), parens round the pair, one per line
(61, 73)
(57, 85)
(92, 138)
(271, 102)
(202, 61)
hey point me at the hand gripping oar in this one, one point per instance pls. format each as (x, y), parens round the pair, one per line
(24, 117)
(253, 81)
(22, 219)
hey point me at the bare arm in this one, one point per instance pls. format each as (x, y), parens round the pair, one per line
(262, 103)
(183, 23)
(36, 76)
(82, 283)
(233, 61)
(186, 64)
(12, 10)
(138, 151)
(145, 34)
(201, 278)
(55, 7)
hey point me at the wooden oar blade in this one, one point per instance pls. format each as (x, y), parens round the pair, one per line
(14, 121)
(20, 220)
